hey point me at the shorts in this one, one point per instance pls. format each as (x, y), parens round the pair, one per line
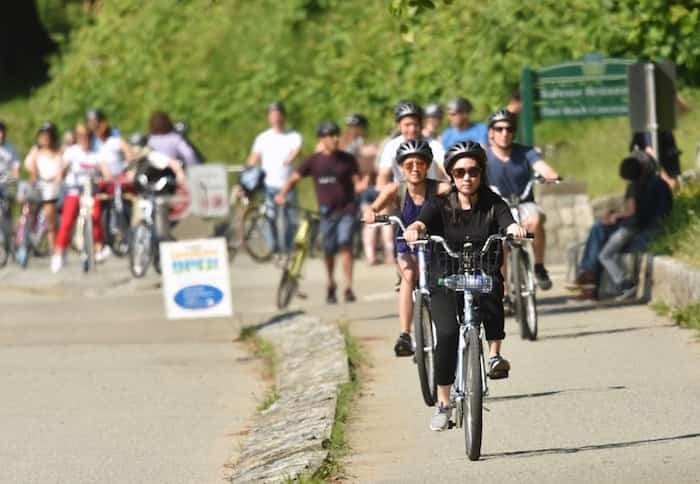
(530, 209)
(49, 191)
(337, 233)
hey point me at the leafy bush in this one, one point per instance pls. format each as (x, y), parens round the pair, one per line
(681, 232)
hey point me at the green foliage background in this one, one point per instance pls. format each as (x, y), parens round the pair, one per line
(218, 63)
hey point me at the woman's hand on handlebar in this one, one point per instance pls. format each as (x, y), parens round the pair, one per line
(368, 215)
(517, 231)
(413, 232)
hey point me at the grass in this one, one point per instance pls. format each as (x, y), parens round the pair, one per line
(263, 349)
(686, 317)
(680, 236)
(338, 446)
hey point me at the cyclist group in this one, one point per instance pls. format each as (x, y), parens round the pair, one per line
(93, 153)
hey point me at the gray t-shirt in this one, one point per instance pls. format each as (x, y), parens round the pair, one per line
(174, 146)
(511, 176)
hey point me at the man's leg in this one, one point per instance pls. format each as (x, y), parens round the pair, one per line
(290, 221)
(533, 220)
(345, 233)
(608, 256)
(272, 210)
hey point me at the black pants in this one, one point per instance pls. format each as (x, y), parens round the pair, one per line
(445, 305)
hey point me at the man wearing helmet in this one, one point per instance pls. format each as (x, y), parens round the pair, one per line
(409, 121)
(432, 122)
(461, 128)
(510, 168)
(335, 174)
(472, 211)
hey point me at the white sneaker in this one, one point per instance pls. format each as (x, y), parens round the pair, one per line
(56, 263)
(104, 254)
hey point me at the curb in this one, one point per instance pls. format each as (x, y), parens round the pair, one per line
(292, 436)
(675, 282)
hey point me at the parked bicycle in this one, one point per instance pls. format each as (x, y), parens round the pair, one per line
(153, 225)
(291, 271)
(473, 275)
(522, 286)
(423, 326)
(7, 184)
(31, 233)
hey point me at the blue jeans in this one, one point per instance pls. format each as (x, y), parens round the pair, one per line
(288, 214)
(594, 244)
(337, 232)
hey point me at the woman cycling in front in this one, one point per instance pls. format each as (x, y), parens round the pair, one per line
(473, 212)
(414, 157)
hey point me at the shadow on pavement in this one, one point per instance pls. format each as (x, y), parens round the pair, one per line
(554, 392)
(579, 306)
(276, 319)
(583, 448)
(582, 334)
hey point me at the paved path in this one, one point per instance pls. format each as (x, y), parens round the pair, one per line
(605, 395)
(98, 387)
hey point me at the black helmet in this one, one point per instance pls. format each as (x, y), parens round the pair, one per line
(407, 108)
(356, 119)
(464, 149)
(433, 110)
(93, 113)
(414, 147)
(502, 115)
(181, 127)
(327, 128)
(3, 126)
(138, 139)
(460, 105)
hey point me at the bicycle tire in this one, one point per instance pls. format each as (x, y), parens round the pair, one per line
(257, 233)
(115, 228)
(515, 288)
(4, 248)
(41, 247)
(527, 313)
(156, 259)
(88, 249)
(286, 289)
(473, 395)
(23, 249)
(140, 249)
(425, 356)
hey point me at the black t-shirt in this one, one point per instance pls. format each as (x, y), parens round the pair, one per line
(669, 154)
(333, 177)
(490, 216)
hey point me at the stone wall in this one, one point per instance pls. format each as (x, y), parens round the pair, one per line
(569, 217)
(291, 437)
(675, 282)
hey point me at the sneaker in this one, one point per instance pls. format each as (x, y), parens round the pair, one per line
(441, 417)
(498, 367)
(56, 263)
(104, 254)
(404, 345)
(330, 296)
(585, 278)
(542, 277)
(628, 290)
(350, 296)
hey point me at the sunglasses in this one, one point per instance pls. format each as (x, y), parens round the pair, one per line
(420, 164)
(500, 129)
(472, 171)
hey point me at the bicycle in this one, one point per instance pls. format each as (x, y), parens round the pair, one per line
(291, 272)
(6, 186)
(475, 268)
(423, 325)
(84, 239)
(31, 233)
(115, 219)
(153, 226)
(522, 287)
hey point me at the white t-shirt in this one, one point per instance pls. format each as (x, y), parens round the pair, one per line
(110, 151)
(81, 166)
(387, 159)
(48, 166)
(274, 148)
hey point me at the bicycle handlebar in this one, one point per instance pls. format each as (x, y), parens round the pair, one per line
(388, 220)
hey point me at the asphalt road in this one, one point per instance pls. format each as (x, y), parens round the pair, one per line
(605, 395)
(98, 387)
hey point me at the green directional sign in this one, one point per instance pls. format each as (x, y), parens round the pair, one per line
(592, 87)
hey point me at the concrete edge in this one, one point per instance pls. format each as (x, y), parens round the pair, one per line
(674, 282)
(292, 436)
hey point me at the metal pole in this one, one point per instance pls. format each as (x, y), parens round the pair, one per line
(652, 125)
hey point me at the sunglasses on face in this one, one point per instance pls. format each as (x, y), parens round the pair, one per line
(420, 164)
(500, 129)
(472, 171)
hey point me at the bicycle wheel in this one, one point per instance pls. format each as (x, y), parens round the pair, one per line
(115, 227)
(425, 356)
(286, 289)
(140, 250)
(257, 234)
(527, 305)
(4, 246)
(473, 395)
(23, 248)
(87, 253)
